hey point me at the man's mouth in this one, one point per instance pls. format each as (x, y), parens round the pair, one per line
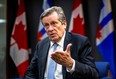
(52, 35)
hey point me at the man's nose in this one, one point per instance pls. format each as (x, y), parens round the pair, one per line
(50, 28)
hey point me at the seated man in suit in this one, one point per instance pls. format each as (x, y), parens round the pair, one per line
(71, 56)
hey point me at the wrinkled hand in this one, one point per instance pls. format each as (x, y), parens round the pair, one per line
(63, 57)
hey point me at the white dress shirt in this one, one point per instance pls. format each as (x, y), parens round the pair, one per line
(58, 72)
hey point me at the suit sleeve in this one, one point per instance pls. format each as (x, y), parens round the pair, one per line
(84, 66)
(32, 71)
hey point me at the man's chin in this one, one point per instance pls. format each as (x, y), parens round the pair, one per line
(54, 39)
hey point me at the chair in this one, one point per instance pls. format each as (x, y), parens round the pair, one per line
(103, 68)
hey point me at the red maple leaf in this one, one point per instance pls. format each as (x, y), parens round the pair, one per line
(98, 32)
(78, 26)
(20, 36)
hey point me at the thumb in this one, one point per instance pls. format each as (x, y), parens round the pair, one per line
(68, 47)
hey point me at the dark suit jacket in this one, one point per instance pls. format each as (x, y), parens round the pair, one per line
(80, 52)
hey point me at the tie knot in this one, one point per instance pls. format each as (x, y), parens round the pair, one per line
(55, 46)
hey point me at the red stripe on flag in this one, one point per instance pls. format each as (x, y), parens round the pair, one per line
(21, 8)
(76, 3)
(39, 36)
(22, 68)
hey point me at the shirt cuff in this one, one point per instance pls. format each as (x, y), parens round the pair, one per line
(72, 69)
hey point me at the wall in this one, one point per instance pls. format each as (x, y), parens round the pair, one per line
(2, 39)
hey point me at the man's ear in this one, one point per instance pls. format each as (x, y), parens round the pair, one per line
(65, 24)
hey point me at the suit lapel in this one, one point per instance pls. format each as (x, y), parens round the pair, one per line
(44, 55)
(66, 42)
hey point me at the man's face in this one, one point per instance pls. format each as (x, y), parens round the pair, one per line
(54, 28)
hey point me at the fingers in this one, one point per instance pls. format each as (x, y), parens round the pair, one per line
(57, 56)
(68, 47)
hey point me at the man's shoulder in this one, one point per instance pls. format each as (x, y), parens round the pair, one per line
(43, 41)
(79, 39)
(77, 36)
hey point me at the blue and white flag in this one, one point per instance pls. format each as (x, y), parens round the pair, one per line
(105, 36)
(41, 31)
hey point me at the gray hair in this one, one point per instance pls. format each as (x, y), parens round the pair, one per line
(56, 9)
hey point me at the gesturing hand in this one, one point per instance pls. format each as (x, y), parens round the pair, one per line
(63, 57)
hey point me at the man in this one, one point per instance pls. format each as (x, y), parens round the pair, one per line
(73, 55)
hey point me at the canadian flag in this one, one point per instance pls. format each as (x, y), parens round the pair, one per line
(19, 44)
(77, 19)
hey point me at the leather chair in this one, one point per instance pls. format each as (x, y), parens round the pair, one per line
(103, 68)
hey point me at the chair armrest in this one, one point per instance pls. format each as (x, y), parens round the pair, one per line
(103, 68)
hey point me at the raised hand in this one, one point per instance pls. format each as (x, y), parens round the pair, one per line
(63, 57)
